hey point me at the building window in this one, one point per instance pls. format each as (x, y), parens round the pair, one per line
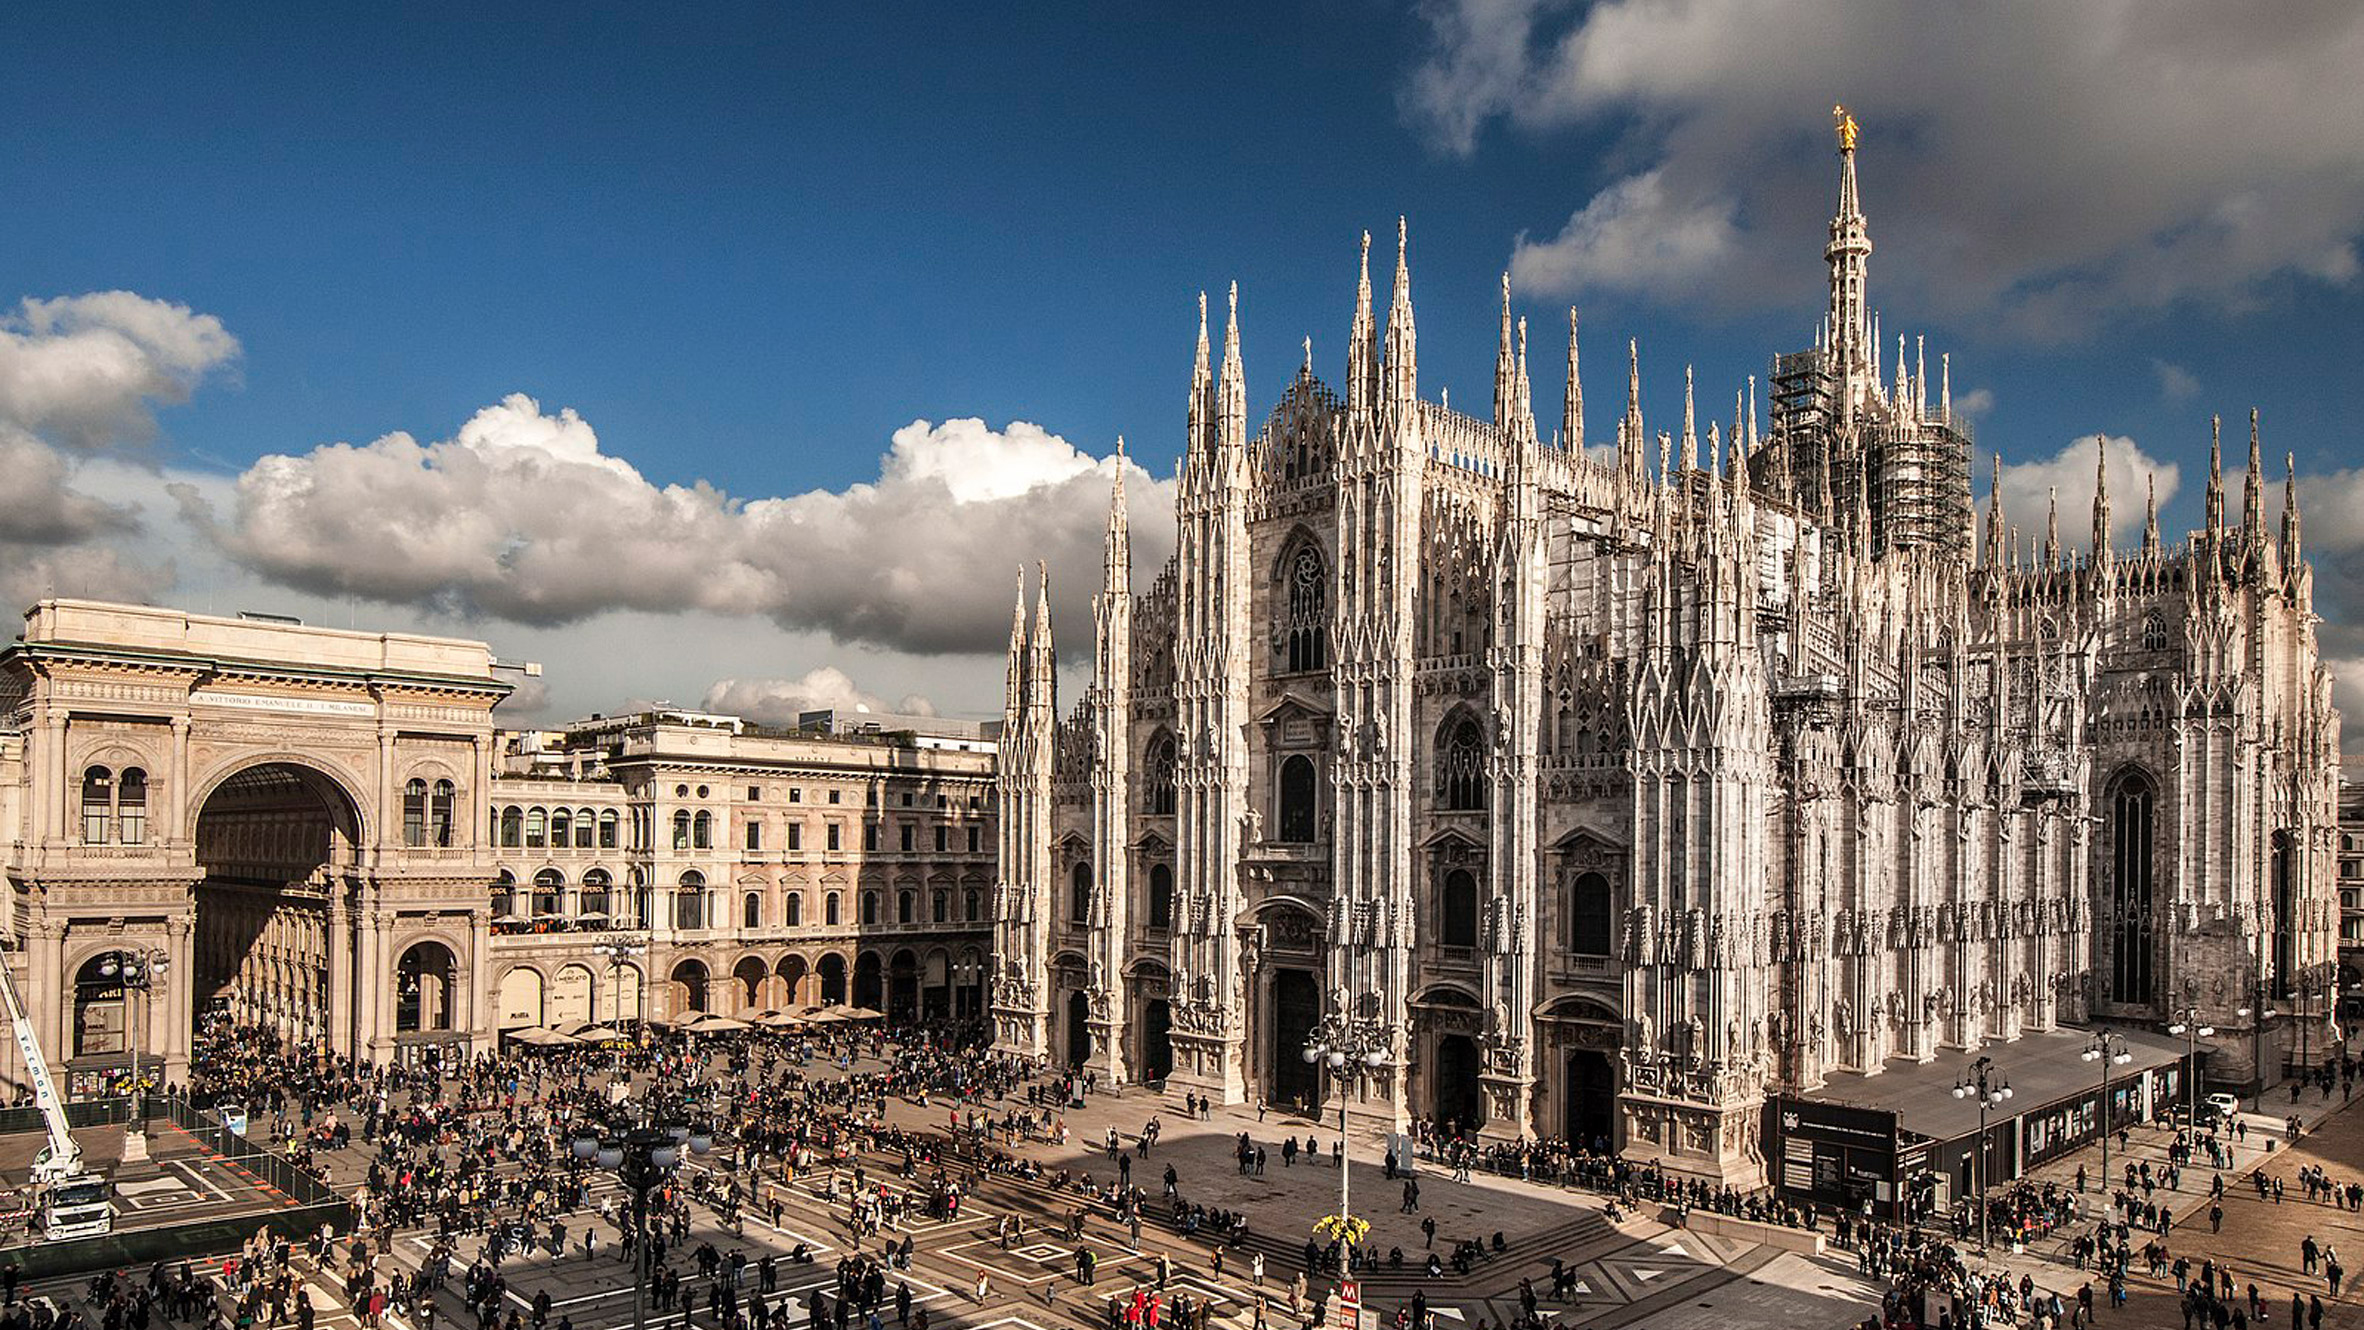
(940, 907)
(549, 892)
(1307, 632)
(2131, 797)
(1459, 910)
(943, 838)
(1079, 895)
(829, 909)
(537, 829)
(596, 902)
(910, 837)
(689, 903)
(795, 795)
(98, 791)
(439, 811)
(583, 825)
(835, 835)
(512, 827)
(1590, 907)
(681, 830)
(1158, 768)
(414, 812)
(702, 831)
(504, 896)
(795, 908)
(970, 904)
(607, 830)
(754, 792)
(1461, 767)
(796, 835)
(906, 907)
(1161, 896)
(869, 907)
(1298, 800)
(754, 834)
(751, 910)
(131, 807)
(562, 826)
(976, 839)
(2154, 632)
(833, 796)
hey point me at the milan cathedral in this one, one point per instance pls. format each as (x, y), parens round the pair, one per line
(1611, 791)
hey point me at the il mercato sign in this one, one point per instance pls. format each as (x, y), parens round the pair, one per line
(310, 706)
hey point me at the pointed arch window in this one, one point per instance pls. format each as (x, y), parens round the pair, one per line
(1306, 631)
(1079, 895)
(2154, 632)
(2132, 813)
(1158, 774)
(1461, 766)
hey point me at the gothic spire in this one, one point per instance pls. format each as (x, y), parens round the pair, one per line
(2214, 506)
(1504, 369)
(1632, 442)
(1202, 390)
(1403, 370)
(1232, 392)
(2052, 526)
(1690, 426)
(2291, 553)
(2101, 498)
(1522, 402)
(1041, 641)
(1362, 344)
(2150, 516)
(1119, 544)
(1847, 254)
(1015, 697)
(1572, 404)
(2253, 490)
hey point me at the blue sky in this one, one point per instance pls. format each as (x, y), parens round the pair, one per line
(747, 244)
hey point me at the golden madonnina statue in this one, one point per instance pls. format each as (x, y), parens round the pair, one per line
(1846, 127)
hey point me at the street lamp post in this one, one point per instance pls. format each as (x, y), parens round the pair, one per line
(2110, 1051)
(2185, 1021)
(618, 951)
(1337, 1046)
(643, 1157)
(1986, 1080)
(135, 972)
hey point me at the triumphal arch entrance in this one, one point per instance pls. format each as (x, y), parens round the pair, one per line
(279, 811)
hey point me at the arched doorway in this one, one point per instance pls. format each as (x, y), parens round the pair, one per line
(793, 988)
(102, 1023)
(276, 841)
(832, 972)
(1079, 1029)
(570, 995)
(903, 986)
(935, 986)
(1592, 1099)
(423, 988)
(689, 987)
(869, 981)
(1460, 1107)
(1157, 1040)
(521, 997)
(1296, 1008)
(747, 982)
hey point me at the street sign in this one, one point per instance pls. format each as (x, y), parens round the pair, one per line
(1350, 1305)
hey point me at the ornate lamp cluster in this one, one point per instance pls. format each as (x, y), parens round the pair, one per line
(1987, 1081)
(133, 971)
(2110, 1051)
(643, 1157)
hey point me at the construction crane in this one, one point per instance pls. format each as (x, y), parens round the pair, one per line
(72, 1200)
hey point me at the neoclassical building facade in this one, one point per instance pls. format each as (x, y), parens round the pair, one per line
(323, 831)
(1612, 793)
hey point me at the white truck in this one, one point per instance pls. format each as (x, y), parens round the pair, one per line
(73, 1202)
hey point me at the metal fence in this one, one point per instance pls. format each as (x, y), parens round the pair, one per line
(309, 1202)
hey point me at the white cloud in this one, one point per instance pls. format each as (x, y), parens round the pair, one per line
(2176, 383)
(781, 701)
(1974, 403)
(2028, 488)
(80, 375)
(2054, 163)
(522, 517)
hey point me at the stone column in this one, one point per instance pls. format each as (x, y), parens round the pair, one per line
(342, 979)
(368, 1033)
(180, 997)
(45, 986)
(484, 1026)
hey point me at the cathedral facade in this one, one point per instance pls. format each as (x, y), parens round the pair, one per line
(1609, 794)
